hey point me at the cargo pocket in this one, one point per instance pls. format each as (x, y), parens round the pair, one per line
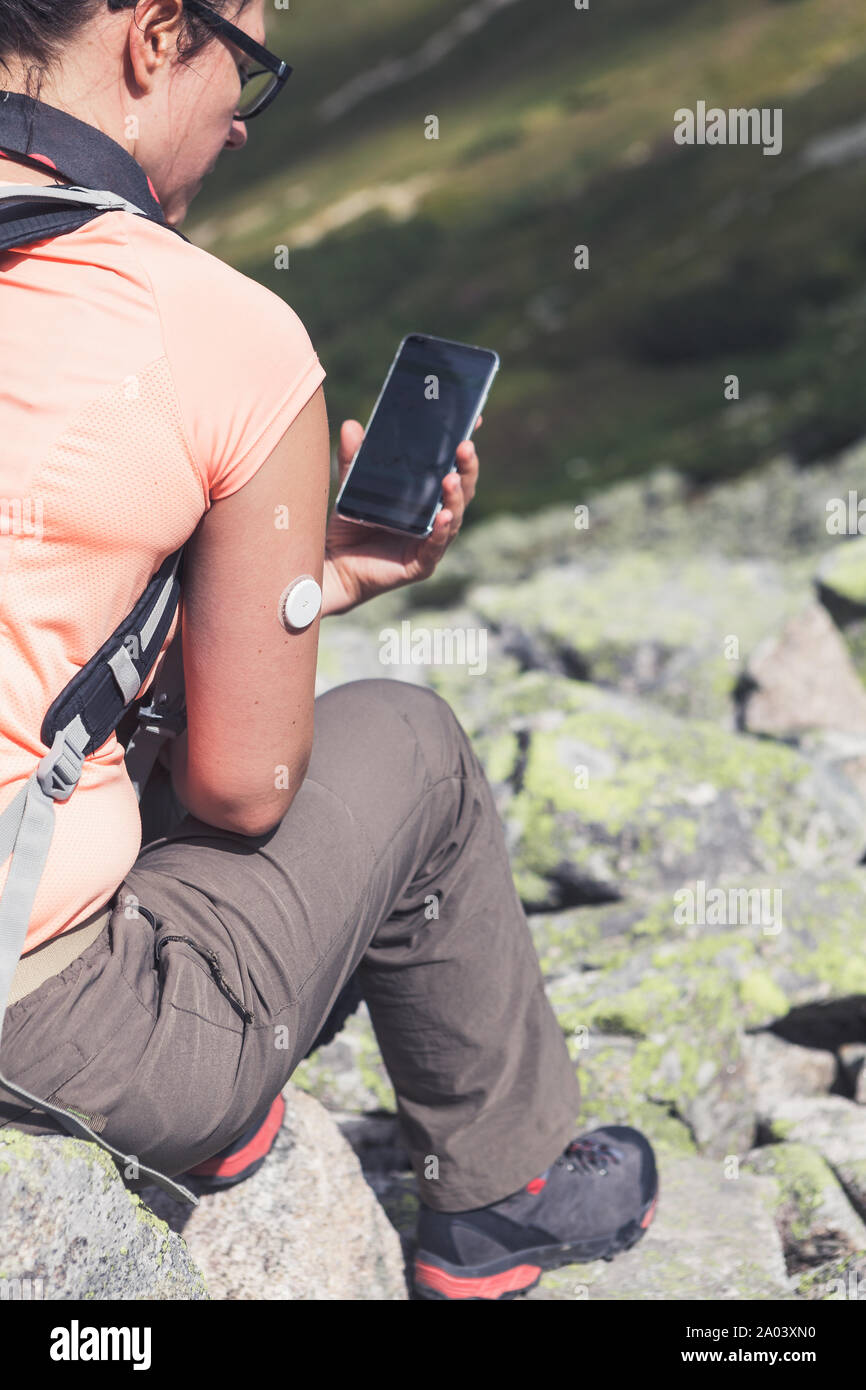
(215, 966)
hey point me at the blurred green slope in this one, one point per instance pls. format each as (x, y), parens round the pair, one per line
(556, 128)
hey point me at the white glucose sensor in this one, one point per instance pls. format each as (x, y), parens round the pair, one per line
(300, 601)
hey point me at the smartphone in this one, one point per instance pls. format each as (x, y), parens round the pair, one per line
(432, 397)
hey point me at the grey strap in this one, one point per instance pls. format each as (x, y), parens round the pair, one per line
(91, 197)
(26, 831)
(158, 608)
(141, 755)
(78, 1128)
(125, 673)
(167, 702)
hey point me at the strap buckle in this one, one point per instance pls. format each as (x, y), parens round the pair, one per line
(164, 716)
(58, 772)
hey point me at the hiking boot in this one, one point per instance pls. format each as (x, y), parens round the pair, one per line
(242, 1158)
(596, 1199)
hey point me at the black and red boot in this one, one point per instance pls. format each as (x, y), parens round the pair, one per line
(595, 1200)
(242, 1158)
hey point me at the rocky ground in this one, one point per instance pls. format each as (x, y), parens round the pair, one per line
(671, 712)
(669, 704)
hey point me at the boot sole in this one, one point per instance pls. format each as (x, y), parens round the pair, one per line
(502, 1280)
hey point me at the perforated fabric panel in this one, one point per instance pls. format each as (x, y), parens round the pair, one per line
(140, 378)
(105, 530)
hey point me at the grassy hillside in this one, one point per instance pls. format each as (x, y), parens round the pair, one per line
(556, 128)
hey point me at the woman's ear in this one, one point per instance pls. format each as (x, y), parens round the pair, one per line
(153, 30)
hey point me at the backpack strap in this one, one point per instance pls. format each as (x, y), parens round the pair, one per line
(78, 722)
(48, 138)
(29, 213)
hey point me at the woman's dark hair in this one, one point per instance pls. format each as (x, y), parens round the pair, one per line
(36, 31)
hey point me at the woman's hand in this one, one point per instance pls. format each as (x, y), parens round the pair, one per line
(363, 561)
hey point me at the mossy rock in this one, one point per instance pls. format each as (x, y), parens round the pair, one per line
(68, 1219)
(676, 628)
(634, 957)
(611, 798)
(836, 1127)
(837, 1281)
(655, 1008)
(841, 580)
(815, 1219)
(675, 1045)
(610, 1095)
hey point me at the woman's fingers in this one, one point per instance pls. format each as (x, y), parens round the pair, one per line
(351, 434)
(467, 467)
(433, 547)
(458, 488)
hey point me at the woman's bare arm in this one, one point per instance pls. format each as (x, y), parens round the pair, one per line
(250, 684)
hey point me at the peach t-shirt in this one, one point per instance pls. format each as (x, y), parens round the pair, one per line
(140, 378)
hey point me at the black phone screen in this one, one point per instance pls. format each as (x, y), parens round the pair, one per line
(430, 403)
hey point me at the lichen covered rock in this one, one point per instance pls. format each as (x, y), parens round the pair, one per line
(68, 1220)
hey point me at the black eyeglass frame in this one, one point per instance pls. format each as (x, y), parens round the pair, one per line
(271, 62)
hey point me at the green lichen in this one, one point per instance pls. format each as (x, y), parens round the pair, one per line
(158, 1228)
(835, 964)
(780, 1129)
(844, 571)
(634, 600)
(20, 1144)
(94, 1156)
(643, 773)
(802, 1176)
(370, 1067)
(315, 1078)
(657, 920)
(681, 833)
(499, 757)
(762, 997)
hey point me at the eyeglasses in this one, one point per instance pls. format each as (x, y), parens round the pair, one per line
(260, 85)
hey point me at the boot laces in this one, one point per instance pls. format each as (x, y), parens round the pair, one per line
(590, 1155)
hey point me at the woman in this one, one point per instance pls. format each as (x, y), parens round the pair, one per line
(151, 393)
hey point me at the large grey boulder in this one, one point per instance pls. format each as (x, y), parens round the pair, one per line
(69, 1222)
(776, 1070)
(305, 1226)
(657, 1009)
(803, 678)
